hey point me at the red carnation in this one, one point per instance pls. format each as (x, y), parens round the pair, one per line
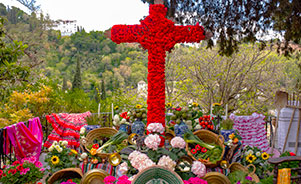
(16, 163)
(20, 167)
(292, 154)
(95, 146)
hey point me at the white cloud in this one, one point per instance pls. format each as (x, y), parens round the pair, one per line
(92, 14)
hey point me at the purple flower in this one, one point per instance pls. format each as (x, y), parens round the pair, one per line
(249, 178)
(238, 182)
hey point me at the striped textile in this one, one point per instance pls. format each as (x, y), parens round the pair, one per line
(66, 127)
(252, 130)
(104, 166)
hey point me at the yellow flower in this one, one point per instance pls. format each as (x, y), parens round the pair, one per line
(168, 104)
(116, 107)
(231, 136)
(265, 156)
(195, 104)
(216, 104)
(55, 160)
(93, 151)
(250, 158)
(138, 106)
(74, 151)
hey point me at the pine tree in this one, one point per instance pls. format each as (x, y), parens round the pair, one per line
(77, 82)
(103, 90)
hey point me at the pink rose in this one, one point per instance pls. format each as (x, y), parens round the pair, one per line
(178, 142)
(152, 141)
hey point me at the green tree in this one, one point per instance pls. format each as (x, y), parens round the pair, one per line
(234, 22)
(246, 81)
(77, 80)
(12, 73)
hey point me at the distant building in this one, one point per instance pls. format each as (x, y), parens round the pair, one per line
(67, 27)
(142, 89)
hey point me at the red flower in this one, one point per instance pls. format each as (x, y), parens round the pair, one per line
(95, 146)
(16, 163)
(39, 183)
(4, 166)
(204, 150)
(292, 154)
(4, 174)
(178, 109)
(20, 167)
(10, 171)
(1, 172)
(193, 151)
(14, 171)
(198, 147)
(70, 180)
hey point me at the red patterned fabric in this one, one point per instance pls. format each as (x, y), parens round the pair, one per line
(157, 34)
(66, 127)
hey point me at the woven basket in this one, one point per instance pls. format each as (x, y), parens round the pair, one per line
(66, 173)
(216, 178)
(158, 173)
(238, 167)
(94, 176)
(98, 133)
(209, 137)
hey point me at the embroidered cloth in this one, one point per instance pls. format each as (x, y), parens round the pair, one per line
(27, 141)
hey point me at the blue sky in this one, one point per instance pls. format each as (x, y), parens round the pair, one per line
(92, 14)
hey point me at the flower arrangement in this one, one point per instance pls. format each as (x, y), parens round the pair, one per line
(234, 138)
(253, 155)
(195, 180)
(28, 170)
(120, 119)
(60, 157)
(121, 180)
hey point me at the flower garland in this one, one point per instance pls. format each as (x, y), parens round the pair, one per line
(157, 34)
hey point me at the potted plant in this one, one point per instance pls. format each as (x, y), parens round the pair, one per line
(28, 171)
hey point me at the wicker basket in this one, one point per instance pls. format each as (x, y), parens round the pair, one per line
(94, 176)
(238, 167)
(209, 137)
(216, 178)
(161, 174)
(98, 133)
(66, 173)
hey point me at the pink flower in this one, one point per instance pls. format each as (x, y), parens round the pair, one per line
(197, 180)
(123, 180)
(38, 164)
(198, 168)
(109, 179)
(24, 171)
(167, 162)
(32, 160)
(140, 161)
(178, 142)
(123, 168)
(152, 141)
(156, 127)
(42, 169)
